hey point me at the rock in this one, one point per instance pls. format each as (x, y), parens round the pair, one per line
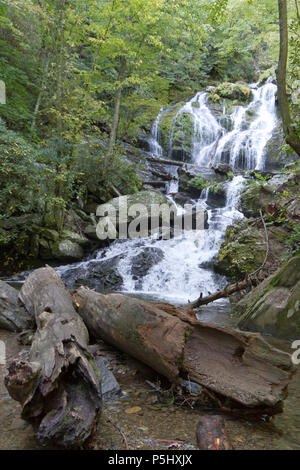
(232, 91)
(90, 232)
(123, 204)
(46, 233)
(274, 306)
(13, 317)
(13, 222)
(237, 257)
(182, 141)
(274, 156)
(66, 250)
(191, 388)
(144, 261)
(255, 197)
(74, 237)
(99, 274)
(223, 168)
(109, 386)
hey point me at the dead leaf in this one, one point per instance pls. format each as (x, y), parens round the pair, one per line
(134, 409)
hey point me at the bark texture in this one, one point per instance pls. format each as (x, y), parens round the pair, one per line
(59, 386)
(232, 364)
(211, 434)
(290, 134)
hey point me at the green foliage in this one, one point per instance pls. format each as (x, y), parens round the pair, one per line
(20, 189)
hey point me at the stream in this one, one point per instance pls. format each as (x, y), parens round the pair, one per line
(183, 269)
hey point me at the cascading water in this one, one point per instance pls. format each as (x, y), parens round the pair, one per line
(243, 146)
(183, 266)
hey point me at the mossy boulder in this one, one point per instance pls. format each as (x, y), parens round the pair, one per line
(238, 93)
(274, 306)
(255, 197)
(176, 133)
(244, 249)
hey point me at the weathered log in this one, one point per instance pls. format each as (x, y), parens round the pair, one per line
(232, 364)
(211, 434)
(59, 387)
(165, 161)
(223, 293)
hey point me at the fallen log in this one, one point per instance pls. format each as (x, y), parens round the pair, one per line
(229, 363)
(165, 161)
(223, 293)
(59, 386)
(211, 434)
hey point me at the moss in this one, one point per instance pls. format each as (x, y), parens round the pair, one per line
(180, 129)
(239, 94)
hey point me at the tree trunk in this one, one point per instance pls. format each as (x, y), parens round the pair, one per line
(59, 386)
(211, 434)
(114, 128)
(39, 98)
(291, 137)
(232, 364)
(223, 293)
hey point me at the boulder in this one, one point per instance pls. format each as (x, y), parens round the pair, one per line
(66, 250)
(13, 317)
(223, 168)
(98, 274)
(237, 256)
(144, 261)
(122, 206)
(255, 197)
(274, 306)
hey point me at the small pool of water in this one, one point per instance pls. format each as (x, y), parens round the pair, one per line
(148, 420)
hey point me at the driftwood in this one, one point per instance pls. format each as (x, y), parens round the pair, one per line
(231, 364)
(59, 387)
(211, 434)
(223, 293)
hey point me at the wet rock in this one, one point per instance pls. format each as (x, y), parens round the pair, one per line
(274, 306)
(144, 261)
(223, 168)
(13, 317)
(109, 385)
(98, 274)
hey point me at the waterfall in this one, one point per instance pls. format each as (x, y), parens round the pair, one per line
(243, 146)
(155, 149)
(154, 145)
(185, 265)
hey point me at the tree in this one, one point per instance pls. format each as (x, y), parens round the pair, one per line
(290, 133)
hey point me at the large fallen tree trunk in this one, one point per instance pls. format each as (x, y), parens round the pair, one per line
(230, 364)
(59, 387)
